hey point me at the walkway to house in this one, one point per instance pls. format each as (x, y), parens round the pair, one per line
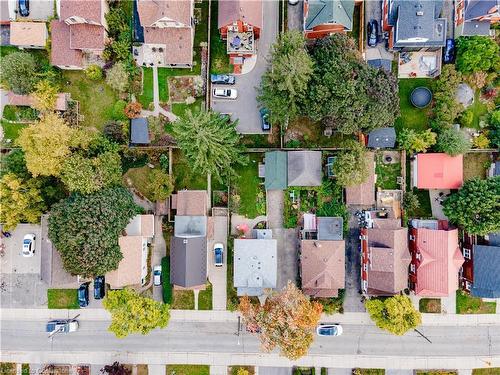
(218, 275)
(437, 197)
(156, 101)
(352, 301)
(275, 206)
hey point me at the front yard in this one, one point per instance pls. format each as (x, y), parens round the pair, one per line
(188, 370)
(412, 117)
(248, 196)
(332, 305)
(429, 305)
(205, 298)
(62, 299)
(467, 304)
(182, 300)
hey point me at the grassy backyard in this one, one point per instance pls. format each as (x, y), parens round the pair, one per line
(147, 87)
(184, 176)
(387, 174)
(467, 304)
(478, 108)
(205, 298)
(429, 305)
(476, 164)
(188, 370)
(219, 61)
(138, 178)
(412, 117)
(180, 109)
(11, 130)
(183, 300)
(62, 299)
(96, 98)
(248, 186)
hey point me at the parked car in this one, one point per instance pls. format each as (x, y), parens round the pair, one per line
(62, 325)
(24, 8)
(29, 245)
(222, 79)
(264, 119)
(218, 255)
(449, 51)
(327, 329)
(99, 287)
(83, 295)
(293, 2)
(225, 93)
(157, 275)
(372, 33)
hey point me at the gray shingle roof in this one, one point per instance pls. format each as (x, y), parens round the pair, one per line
(383, 64)
(188, 261)
(486, 276)
(382, 138)
(330, 228)
(304, 168)
(330, 12)
(275, 170)
(478, 8)
(476, 28)
(139, 131)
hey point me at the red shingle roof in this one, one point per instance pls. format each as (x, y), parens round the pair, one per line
(363, 194)
(439, 171)
(85, 36)
(61, 53)
(151, 11)
(441, 259)
(249, 11)
(178, 42)
(89, 9)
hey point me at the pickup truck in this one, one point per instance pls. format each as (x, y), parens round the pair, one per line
(62, 325)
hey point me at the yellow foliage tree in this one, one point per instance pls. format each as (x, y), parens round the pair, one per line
(45, 95)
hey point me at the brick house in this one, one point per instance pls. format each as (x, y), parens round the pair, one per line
(325, 17)
(474, 17)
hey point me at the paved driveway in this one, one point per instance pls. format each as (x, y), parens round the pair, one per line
(245, 108)
(218, 275)
(352, 302)
(373, 10)
(295, 16)
(288, 259)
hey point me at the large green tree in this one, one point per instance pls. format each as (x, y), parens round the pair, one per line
(477, 53)
(21, 201)
(286, 321)
(18, 71)
(446, 108)
(284, 84)
(453, 142)
(160, 185)
(210, 143)
(415, 141)
(133, 313)
(395, 314)
(476, 207)
(345, 92)
(85, 230)
(351, 166)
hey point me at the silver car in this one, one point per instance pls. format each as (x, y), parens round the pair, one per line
(29, 245)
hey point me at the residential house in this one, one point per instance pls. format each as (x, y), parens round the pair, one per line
(255, 266)
(28, 34)
(414, 25)
(322, 264)
(479, 274)
(363, 194)
(436, 258)
(382, 138)
(437, 171)
(139, 131)
(304, 168)
(474, 17)
(79, 36)
(276, 170)
(325, 17)
(240, 24)
(384, 258)
(188, 246)
(133, 268)
(61, 103)
(167, 33)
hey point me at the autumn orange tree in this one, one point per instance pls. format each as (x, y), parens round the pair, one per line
(286, 320)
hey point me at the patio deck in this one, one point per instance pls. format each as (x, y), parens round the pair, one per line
(422, 64)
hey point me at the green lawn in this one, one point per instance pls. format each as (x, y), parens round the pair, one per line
(180, 109)
(412, 117)
(96, 98)
(476, 164)
(62, 299)
(201, 30)
(183, 300)
(219, 60)
(429, 305)
(25, 369)
(486, 371)
(205, 298)
(166, 286)
(467, 304)
(248, 187)
(232, 297)
(425, 210)
(368, 371)
(184, 177)
(11, 131)
(139, 179)
(147, 87)
(188, 370)
(479, 109)
(436, 372)
(387, 174)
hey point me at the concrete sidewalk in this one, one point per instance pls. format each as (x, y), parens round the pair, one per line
(221, 316)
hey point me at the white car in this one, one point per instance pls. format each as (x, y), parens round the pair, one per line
(328, 329)
(225, 93)
(62, 325)
(157, 275)
(218, 255)
(29, 245)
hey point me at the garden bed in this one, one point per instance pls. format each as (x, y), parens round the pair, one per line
(182, 300)
(467, 304)
(332, 305)
(233, 370)
(62, 299)
(429, 305)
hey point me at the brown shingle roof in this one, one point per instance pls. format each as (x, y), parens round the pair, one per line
(89, 9)
(323, 267)
(389, 260)
(28, 34)
(178, 42)
(61, 53)
(363, 194)
(28, 100)
(130, 267)
(249, 11)
(192, 203)
(151, 11)
(85, 36)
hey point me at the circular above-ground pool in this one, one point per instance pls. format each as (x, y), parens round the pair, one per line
(421, 97)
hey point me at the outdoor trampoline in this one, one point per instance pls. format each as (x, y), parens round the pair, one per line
(421, 97)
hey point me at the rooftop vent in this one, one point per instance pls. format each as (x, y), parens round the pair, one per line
(420, 13)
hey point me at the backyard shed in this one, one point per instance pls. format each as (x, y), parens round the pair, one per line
(139, 131)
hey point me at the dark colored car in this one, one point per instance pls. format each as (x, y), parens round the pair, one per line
(24, 8)
(83, 295)
(222, 79)
(99, 291)
(372, 33)
(449, 51)
(264, 117)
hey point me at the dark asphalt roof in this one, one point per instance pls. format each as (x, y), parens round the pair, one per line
(383, 64)
(477, 8)
(188, 261)
(139, 131)
(486, 276)
(304, 168)
(330, 228)
(476, 28)
(496, 172)
(382, 138)
(494, 239)
(330, 12)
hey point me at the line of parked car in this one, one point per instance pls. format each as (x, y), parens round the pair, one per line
(99, 291)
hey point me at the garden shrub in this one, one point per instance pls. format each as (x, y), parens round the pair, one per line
(94, 72)
(119, 110)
